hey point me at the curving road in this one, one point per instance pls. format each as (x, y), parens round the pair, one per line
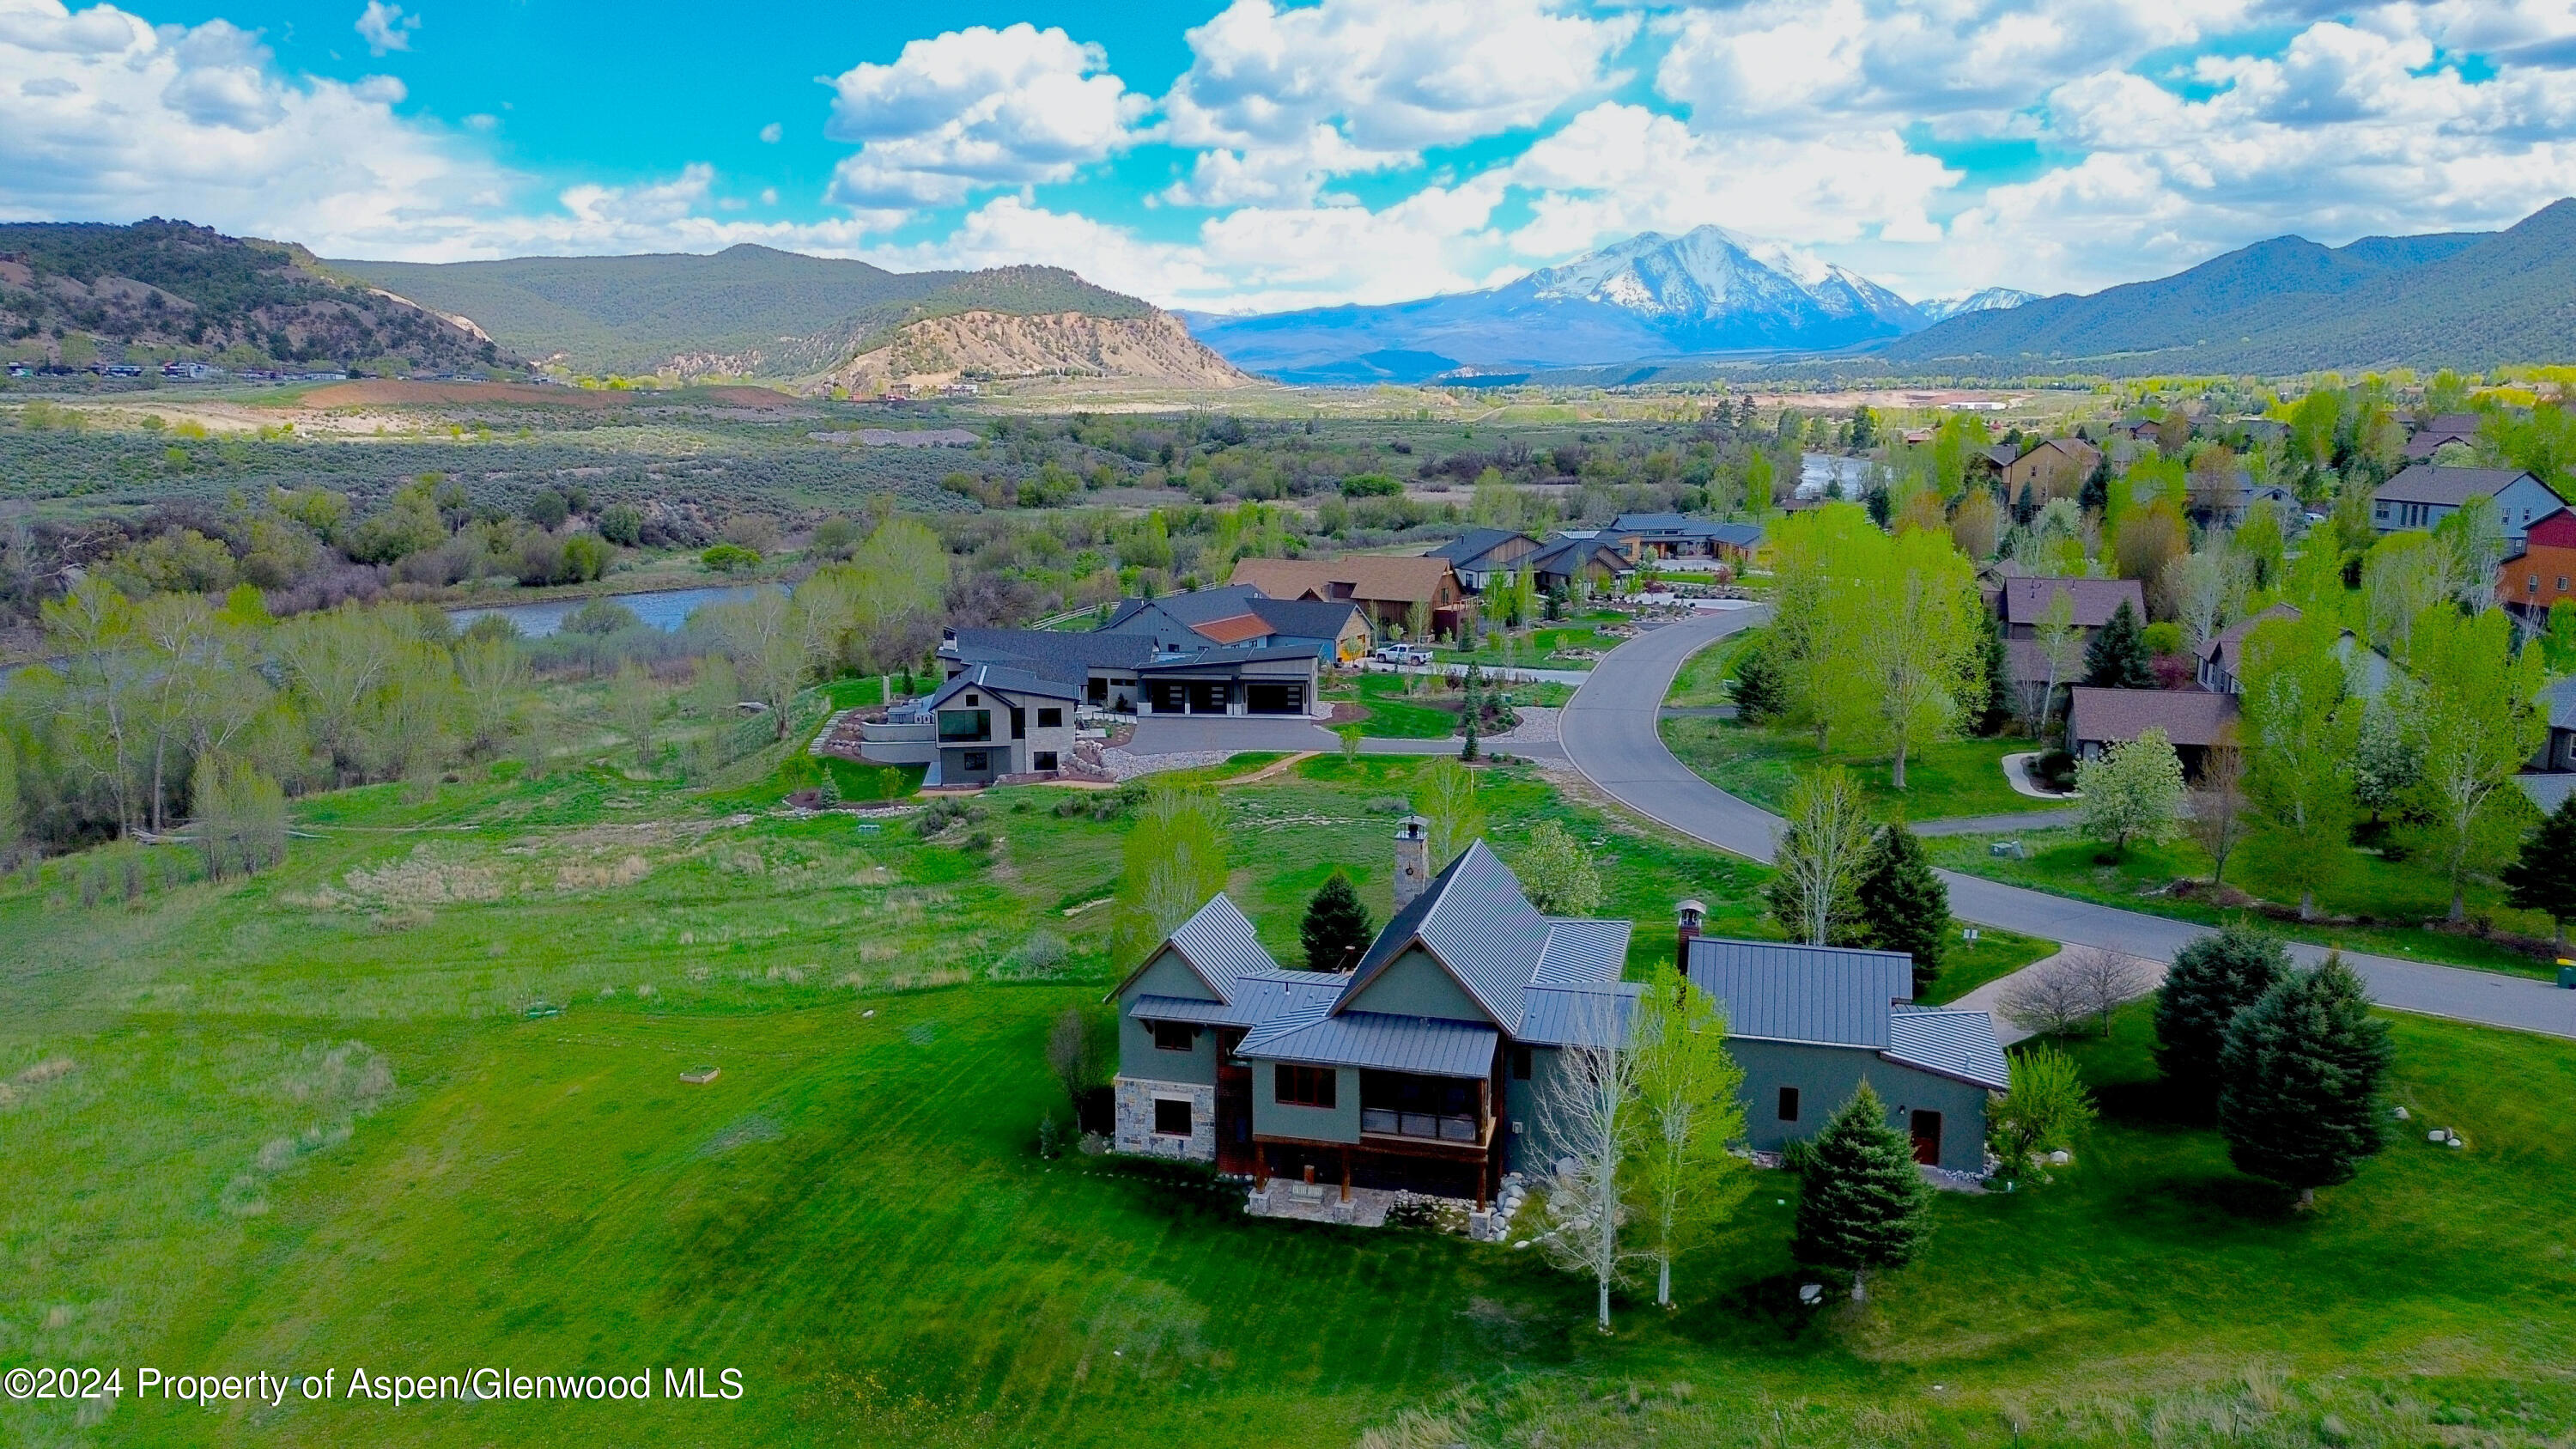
(1610, 735)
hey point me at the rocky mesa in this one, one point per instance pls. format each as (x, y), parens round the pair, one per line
(976, 346)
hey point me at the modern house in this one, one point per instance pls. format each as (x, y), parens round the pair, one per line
(1419, 1069)
(1565, 563)
(1483, 556)
(2422, 495)
(2192, 719)
(2544, 571)
(1387, 587)
(1644, 536)
(992, 723)
(2055, 469)
(1240, 615)
(1809, 1024)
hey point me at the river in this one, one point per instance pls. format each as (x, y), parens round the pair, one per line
(666, 610)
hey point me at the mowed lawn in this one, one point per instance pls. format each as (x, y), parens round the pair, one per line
(307, 1124)
(1943, 780)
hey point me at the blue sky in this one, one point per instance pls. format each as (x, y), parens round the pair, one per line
(1259, 155)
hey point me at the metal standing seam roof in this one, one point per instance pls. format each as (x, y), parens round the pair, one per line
(1002, 679)
(1958, 1044)
(1589, 1015)
(1582, 952)
(1220, 945)
(1430, 1045)
(1474, 918)
(1829, 994)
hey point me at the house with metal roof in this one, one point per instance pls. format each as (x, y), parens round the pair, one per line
(991, 722)
(1239, 614)
(1483, 555)
(2422, 495)
(1418, 1069)
(1809, 1024)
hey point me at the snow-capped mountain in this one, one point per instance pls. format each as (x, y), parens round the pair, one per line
(1991, 299)
(1707, 291)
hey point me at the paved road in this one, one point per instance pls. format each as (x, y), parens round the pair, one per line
(1609, 733)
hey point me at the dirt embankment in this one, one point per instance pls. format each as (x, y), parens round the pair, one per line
(398, 392)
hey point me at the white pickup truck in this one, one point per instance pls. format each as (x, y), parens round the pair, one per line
(1403, 654)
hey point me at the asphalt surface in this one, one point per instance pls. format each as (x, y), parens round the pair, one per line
(1609, 733)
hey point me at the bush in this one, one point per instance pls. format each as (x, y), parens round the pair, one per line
(730, 558)
(622, 524)
(1371, 485)
(2163, 639)
(1040, 956)
(599, 616)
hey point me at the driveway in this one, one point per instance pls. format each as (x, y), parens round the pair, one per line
(1609, 733)
(1167, 734)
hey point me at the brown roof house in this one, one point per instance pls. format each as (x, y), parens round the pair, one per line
(2428, 438)
(2222, 659)
(1388, 586)
(2192, 720)
(2054, 469)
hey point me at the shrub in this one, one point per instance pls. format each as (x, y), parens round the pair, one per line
(730, 558)
(622, 524)
(1371, 485)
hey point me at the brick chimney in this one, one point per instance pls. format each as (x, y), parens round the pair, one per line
(1692, 913)
(1412, 859)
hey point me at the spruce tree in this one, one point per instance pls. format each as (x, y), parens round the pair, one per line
(1998, 708)
(2212, 979)
(2543, 877)
(1903, 905)
(2300, 1079)
(1861, 1202)
(1337, 930)
(1760, 693)
(2117, 656)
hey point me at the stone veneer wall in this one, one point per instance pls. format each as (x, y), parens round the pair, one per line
(1135, 1100)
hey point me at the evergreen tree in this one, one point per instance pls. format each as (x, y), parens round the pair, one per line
(1337, 931)
(1760, 693)
(2095, 495)
(2543, 877)
(2117, 656)
(1903, 905)
(1998, 707)
(2212, 979)
(2300, 1079)
(1861, 1203)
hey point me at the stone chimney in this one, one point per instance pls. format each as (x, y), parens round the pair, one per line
(1692, 913)
(1412, 859)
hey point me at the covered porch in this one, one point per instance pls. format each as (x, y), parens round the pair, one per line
(1432, 1135)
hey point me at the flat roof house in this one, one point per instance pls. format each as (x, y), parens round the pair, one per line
(1809, 1024)
(2422, 495)
(1417, 1070)
(994, 723)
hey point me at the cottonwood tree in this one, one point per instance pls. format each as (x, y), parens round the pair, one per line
(2197, 584)
(1446, 798)
(2480, 725)
(2470, 547)
(1336, 931)
(102, 688)
(2404, 575)
(1589, 1119)
(2542, 876)
(2131, 791)
(1558, 872)
(240, 823)
(2061, 653)
(2298, 738)
(2300, 1081)
(635, 707)
(1862, 1206)
(2216, 819)
(1822, 617)
(1681, 1180)
(2211, 980)
(1824, 840)
(1901, 903)
(1174, 860)
(1924, 650)
(2046, 1110)
(767, 638)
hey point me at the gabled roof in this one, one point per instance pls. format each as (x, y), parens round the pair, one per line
(2230, 641)
(1959, 1044)
(2075, 448)
(1429, 1045)
(1566, 555)
(1834, 995)
(2025, 601)
(1234, 628)
(2448, 487)
(1475, 922)
(2558, 701)
(1468, 548)
(1592, 1015)
(1653, 525)
(1218, 944)
(1737, 535)
(2187, 716)
(1006, 680)
(1580, 953)
(1068, 656)
(1372, 577)
(1228, 656)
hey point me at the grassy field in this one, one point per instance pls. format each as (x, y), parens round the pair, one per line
(307, 1122)
(1945, 780)
(1702, 679)
(2394, 896)
(1996, 954)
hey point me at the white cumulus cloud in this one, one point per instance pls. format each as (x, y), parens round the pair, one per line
(976, 108)
(385, 27)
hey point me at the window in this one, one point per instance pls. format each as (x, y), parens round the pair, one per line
(971, 699)
(1099, 691)
(974, 760)
(1019, 723)
(1788, 1104)
(1050, 719)
(1175, 1036)
(1305, 1086)
(1520, 1064)
(1042, 760)
(1171, 1117)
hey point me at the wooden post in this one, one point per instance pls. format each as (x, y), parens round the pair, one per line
(1346, 1174)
